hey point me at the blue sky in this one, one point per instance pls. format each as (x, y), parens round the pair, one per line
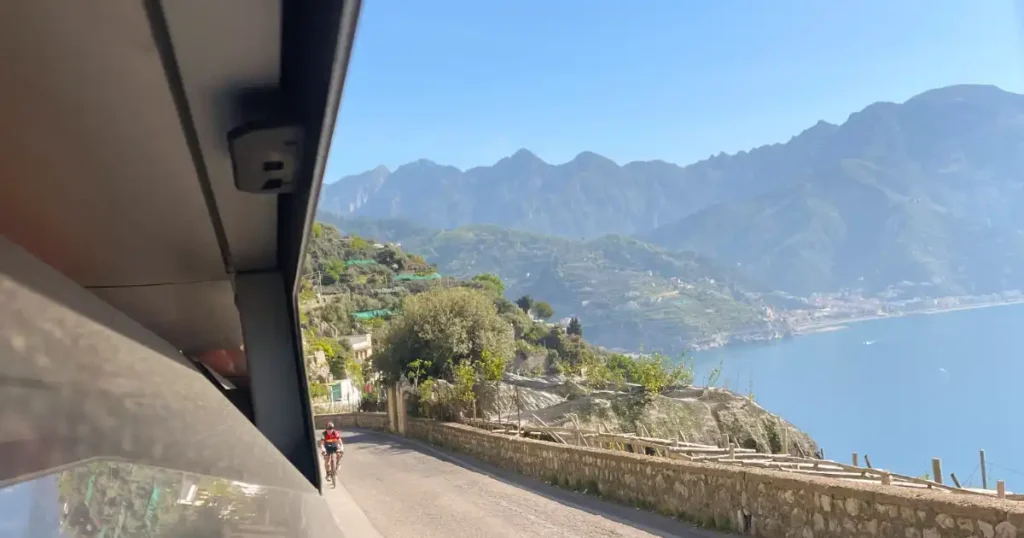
(467, 82)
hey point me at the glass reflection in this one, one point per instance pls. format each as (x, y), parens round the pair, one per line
(118, 500)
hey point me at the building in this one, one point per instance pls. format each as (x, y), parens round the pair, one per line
(361, 345)
(346, 393)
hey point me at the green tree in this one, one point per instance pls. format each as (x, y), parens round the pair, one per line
(505, 306)
(490, 367)
(537, 333)
(542, 310)
(574, 327)
(357, 243)
(600, 375)
(576, 353)
(655, 372)
(443, 328)
(333, 272)
(464, 378)
(336, 365)
(622, 366)
(525, 303)
(427, 395)
(417, 369)
(491, 282)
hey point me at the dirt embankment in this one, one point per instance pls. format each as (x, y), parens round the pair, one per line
(697, 415)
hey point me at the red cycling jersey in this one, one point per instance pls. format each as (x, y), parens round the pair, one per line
(332, 437)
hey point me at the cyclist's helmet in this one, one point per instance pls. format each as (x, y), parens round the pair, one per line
(330, 425)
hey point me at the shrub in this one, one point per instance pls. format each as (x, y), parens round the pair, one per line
(318, 391)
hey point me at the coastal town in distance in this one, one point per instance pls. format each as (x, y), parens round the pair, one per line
(790, 315)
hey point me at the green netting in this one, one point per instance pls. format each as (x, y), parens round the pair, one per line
(370, 314)
(360, 262)
(432, 276)
(89, 490)
(154, 501)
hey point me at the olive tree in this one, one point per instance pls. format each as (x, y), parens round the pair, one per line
(542, 310)
(491, 282)
(440, 329)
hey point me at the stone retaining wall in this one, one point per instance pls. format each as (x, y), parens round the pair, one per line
(370, 421)
(745, 500)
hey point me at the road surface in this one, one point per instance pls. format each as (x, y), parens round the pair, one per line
(393, 487)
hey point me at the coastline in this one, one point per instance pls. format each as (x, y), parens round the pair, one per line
(831, 325)
(840, 324)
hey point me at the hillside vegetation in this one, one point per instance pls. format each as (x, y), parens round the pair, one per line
(427, 328)
(630, 293)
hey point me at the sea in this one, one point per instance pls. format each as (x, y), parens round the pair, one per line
(900, 390)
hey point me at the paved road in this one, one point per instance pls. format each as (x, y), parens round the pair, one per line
(394, 487)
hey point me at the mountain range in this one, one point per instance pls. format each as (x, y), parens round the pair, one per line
(921, 193)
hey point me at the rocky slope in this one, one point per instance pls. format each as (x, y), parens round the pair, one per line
(699, 415)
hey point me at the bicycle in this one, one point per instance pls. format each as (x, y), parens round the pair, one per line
(330, 470)
(332, 466)
(332, 450)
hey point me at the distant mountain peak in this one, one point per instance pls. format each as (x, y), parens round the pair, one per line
(523, 157)
(524, 153)
(421, 164)
(591, 158)
(960, 91)
(821, 128)
(822, 125)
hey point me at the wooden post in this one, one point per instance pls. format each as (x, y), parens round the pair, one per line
(867, 461)
(726, 441)
(519, 414)
(955, 481)
(984, 476)
(579, 434)
(1000, 489)
(855, 460)
(732, 451)
(937, 470)
(553, 434)
(886, 479)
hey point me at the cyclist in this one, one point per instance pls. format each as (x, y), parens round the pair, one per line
(332, 447)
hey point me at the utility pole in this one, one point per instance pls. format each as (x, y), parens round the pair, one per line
(984, 474)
